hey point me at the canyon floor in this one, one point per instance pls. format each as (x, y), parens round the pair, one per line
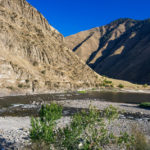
(14, 131)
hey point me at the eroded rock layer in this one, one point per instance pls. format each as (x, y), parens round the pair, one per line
(33, 55)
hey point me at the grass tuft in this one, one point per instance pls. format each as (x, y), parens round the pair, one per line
(82, 92)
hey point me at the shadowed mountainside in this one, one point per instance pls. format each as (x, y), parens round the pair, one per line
(119, 50)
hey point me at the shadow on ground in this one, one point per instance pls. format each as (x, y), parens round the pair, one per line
(6, 145)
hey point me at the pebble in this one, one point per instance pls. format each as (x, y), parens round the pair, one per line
(122, 117)
(130, 117)
(14, 138)
(145, 119)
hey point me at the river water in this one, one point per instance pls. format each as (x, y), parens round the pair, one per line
(28, 105)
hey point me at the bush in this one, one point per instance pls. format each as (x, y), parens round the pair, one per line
(121, 86)
(20, 85)
(42, 127)
(107, 83)
(23, 85)
(86, 131)
(110, 112)
(145, 85)
(145, 105)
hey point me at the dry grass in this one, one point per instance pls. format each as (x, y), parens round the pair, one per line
(141, 141)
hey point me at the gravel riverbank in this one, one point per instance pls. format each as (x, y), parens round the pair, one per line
(14, 131)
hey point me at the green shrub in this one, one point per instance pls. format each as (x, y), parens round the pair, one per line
(107, 81)
(86, 131)
(50, 112)
(121, 86)
(145, 105)
(145, 85)
(110, 112)
(20, 85)
(42, 127)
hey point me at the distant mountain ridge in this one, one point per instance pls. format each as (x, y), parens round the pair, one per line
(33, 56)
(119, 50)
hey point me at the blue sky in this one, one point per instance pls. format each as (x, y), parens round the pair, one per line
(72, 16)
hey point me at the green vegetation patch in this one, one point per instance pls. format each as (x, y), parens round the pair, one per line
(94, 89)
(107, 83)
(121, 86)
(145, 105)
(145, 85)
(42, 127)
(82, 92)
(87, 130)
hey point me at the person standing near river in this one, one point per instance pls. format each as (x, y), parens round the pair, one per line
(33, 86)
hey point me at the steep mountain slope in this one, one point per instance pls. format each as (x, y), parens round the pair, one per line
(33, 55)
(119, 50)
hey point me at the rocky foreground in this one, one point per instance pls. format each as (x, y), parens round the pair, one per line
(14, 131)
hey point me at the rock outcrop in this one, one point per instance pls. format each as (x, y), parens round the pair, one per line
(118, 50)
(33, 55)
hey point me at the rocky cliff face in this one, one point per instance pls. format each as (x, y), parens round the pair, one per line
(119, 50)
(33, 55)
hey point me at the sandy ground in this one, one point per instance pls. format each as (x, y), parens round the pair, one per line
(14, 123)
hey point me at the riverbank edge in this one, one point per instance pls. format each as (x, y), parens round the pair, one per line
(116, 90)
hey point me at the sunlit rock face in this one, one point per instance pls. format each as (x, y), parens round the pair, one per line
(32, 53)
(118, 50)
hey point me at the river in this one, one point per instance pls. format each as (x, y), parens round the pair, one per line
(27, 105)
